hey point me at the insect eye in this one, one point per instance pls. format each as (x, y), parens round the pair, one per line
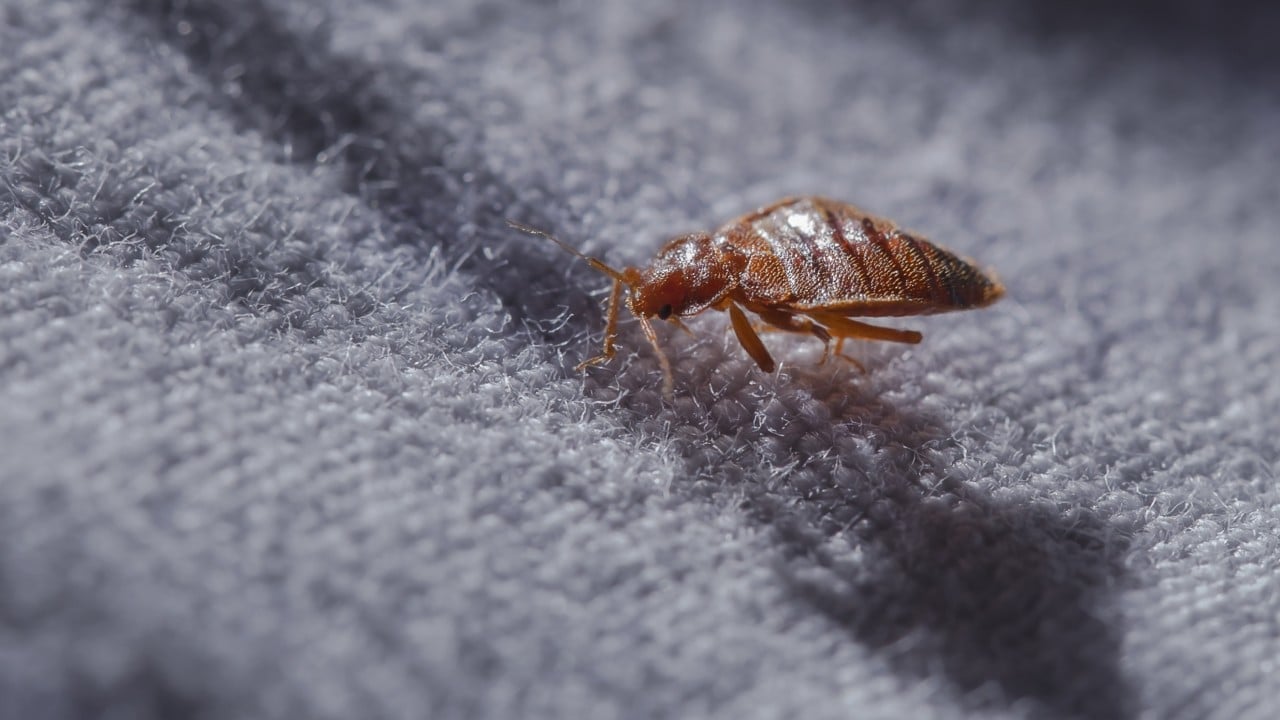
(665, 312)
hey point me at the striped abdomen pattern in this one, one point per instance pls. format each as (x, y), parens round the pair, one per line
(814, 253)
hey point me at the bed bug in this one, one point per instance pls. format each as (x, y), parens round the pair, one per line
(803, 264)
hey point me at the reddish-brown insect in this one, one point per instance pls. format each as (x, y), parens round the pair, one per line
(806, 265)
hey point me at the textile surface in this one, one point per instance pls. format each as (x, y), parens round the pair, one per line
(289, 425)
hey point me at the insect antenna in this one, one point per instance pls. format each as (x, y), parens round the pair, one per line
(593, 262)
(628, 278)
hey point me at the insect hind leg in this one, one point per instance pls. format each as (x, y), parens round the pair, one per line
(782, 320)
(842, 328)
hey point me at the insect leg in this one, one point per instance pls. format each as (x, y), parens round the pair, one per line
(668, 380)
(680, 324)
(786, 321)
(842, 327)
(783, 320)
(610, 329)
(749, 339)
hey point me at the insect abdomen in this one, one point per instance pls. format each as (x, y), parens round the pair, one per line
(810, 253)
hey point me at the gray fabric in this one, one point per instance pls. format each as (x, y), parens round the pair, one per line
(289, 426)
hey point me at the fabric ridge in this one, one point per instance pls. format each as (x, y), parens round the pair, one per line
(289, 425)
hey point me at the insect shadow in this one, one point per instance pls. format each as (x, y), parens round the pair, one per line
(1010, 603)
(323, 107)
(877, 530)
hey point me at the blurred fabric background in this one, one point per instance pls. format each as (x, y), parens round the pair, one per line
(288, 419)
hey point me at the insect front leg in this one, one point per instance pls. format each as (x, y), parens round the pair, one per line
(668, 378)
(610, 330)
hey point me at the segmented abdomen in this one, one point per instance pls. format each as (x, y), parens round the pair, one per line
(815, 253)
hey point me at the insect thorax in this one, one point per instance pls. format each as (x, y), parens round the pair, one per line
(688, 275)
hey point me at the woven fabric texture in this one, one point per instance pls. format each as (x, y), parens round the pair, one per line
(289, 425)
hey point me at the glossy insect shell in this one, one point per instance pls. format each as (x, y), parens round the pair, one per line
(806, 254)
(806, 265)
(688, 275)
